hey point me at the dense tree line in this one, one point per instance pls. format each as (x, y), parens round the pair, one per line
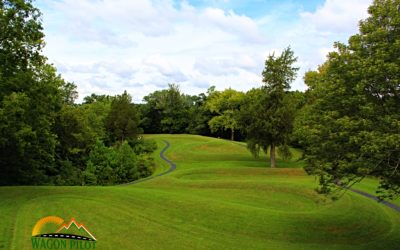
(210, 114)
(44, 137)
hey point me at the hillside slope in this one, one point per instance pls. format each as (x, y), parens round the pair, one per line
(219, 197)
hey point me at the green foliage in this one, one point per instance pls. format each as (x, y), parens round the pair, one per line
(78, 127)
(89, 175)
(110, 165)
(123, 119)
(350, 127)
(21, 40)
(199, 116)
(93, 98)
(126, 164)
(297, 101)
(95, 117)
(170, 111)
(28, 141)
(141, 145)
(268, 113)
(69, 93)
(226, 105)
(174, 108)
(101, 162)
(279, 72)
(264, 124)
(30, 97)
(67, 174)
(167, 111)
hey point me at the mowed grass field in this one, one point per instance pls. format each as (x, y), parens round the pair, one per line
(219, 197)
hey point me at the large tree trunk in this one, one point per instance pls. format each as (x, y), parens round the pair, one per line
(232, 135)
(272, 155)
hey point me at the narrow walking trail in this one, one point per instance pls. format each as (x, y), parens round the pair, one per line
(162, 156)
(373, 197)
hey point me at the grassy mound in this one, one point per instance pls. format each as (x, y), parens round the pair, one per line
(219, 197)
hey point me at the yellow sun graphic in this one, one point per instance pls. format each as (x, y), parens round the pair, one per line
(49, 219)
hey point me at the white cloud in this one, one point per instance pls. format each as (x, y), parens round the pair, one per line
(337, 16)
(147, 17)
(231, 65)
(107, 46)
(214, 67)
(117, 69)
(157, 64)
(231, 22)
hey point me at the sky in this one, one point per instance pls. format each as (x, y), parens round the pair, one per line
(108, 46)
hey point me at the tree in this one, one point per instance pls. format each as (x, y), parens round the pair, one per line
(27, 126)
(175, 107)
(199, 115)
(297, 100)
(21, 40)
(226, 105)
(120, 164)
(100, 166)
(123, 120)
(31, 94)
(78, 127)
(268, 113)
(69, 93)
(151, 113)
(267, 127)
(97, 98)
(351, 124)
(127, 167)
(279, 73)
(166, 111)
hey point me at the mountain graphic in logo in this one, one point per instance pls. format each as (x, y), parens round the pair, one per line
(71, 230)
(74, 228)
(52, 232)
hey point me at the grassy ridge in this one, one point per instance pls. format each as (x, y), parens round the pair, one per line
(218, 198)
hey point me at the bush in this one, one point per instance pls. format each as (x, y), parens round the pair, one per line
(120, 164)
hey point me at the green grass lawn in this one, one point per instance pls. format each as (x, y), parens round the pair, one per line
(219, 197)
(370, 185)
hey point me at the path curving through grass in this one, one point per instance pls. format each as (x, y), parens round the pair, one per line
(162, 156)
(373, 197)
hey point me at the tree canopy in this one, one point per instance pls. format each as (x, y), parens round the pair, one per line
(123, 119)
(225, 104)
(350, 126)
(268, 114)
(30, 97)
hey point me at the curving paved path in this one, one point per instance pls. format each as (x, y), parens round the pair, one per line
(373, 197)
(172, 166)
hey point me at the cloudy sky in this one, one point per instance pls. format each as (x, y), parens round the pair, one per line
(108, 46)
